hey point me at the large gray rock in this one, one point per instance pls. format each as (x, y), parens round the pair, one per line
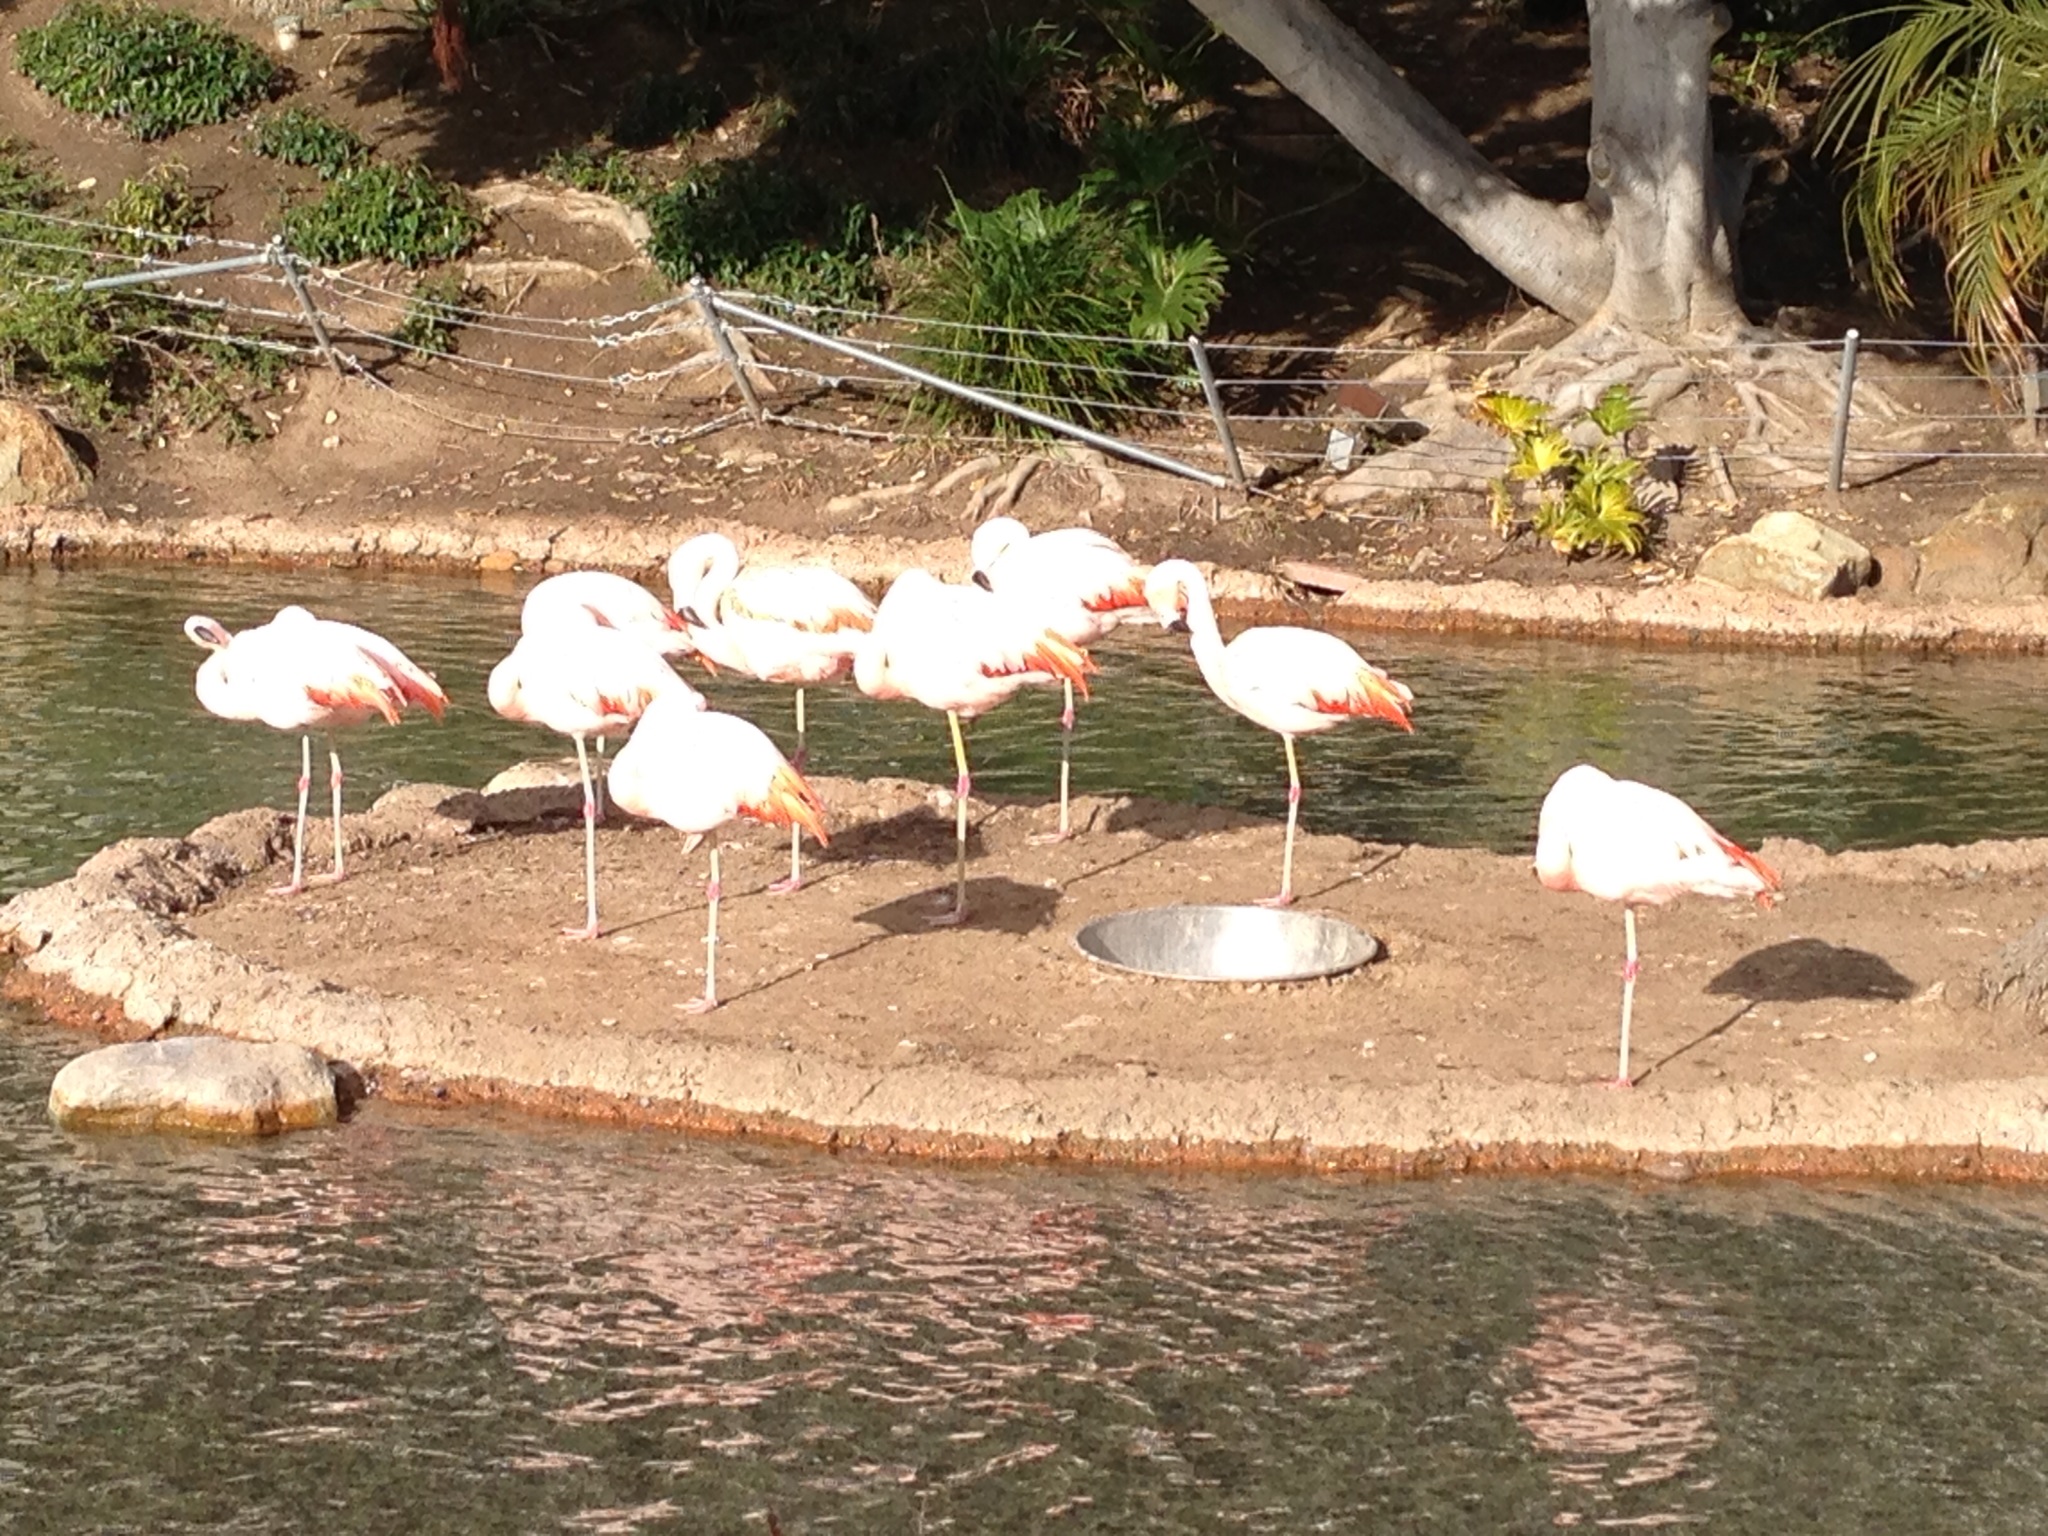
(1787, 552)
(195, 1083)
(36, 464)
(1993, 550)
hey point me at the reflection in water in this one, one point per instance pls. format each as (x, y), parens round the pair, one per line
(103, 739)
(1609, 1382)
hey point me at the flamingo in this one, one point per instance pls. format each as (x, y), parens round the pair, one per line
(301, 673)
(1618, 840)
(607, 600)
(584, 682)
(1292, 681)
(962, 650)
(1079, 582)
(797, 624)
(699, 770)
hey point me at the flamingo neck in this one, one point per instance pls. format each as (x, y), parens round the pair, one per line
(1204, 638)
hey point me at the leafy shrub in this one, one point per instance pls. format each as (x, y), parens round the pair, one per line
(1585, 497)
(1067, 291)
(999, 102)
(439, 307)
(657, 109)
(157, 210)
(401, 212)
(154, 71)
(741, 223)
(301, 136)
(614, 173)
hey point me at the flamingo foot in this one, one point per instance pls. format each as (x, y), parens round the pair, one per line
(949, 919)
(290, 889)
(1044, 839)
(332, 877)
(698, 1005)
(785, 885)
(587, 931)
(1617, 1082)
(1284, 899)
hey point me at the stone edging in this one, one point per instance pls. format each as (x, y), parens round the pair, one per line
(112, 932)
(1687, 613)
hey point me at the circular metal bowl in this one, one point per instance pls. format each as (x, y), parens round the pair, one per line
(1226, 943)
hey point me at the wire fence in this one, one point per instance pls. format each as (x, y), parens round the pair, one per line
(1216, 411)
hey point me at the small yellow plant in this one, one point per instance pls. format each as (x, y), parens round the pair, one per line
(1585, 497)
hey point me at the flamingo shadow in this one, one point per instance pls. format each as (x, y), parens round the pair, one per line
(995, 904)
(918, 836)
(1807, 970)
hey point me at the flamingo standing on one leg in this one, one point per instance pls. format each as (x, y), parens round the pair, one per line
(1292, 681)
(584, 682)
(962, 650)
(1080, 583)
(797, 624)
(699, 770)
(301, 673)
(1622, 841)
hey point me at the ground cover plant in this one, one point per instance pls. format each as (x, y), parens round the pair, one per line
(398, 211)
(302, 136)
(153, 71)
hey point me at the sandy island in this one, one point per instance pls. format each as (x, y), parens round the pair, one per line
(1837, 1033)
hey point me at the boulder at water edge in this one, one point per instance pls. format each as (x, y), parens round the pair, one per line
(1994, 550)
(1788, 552)
(36, 464)
(195, 1083)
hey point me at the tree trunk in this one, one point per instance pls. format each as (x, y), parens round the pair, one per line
(1656, 189)
(1650, 249)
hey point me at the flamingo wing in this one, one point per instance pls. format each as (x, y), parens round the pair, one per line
(812, 598)
(1284, 667)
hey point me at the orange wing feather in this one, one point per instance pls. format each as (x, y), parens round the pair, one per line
(790, 800)
(1372, 695)
(1741, 855)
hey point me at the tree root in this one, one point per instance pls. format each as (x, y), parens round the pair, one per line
(1784, 394)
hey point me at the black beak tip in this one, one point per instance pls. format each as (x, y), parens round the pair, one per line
(690, 617)
(1177, 626)
(981, 580)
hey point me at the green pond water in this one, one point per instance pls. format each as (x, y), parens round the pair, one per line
(465, 1323)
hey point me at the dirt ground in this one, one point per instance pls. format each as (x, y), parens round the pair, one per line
(1864, 975)
(426, 441)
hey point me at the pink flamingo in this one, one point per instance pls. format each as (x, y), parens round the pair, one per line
(699, 770)
(1078, 582)
(962, 650)
(1618, 840)
(301, 673)
(582, 682)
(607, 600)
(790, 624)
(1292, 681)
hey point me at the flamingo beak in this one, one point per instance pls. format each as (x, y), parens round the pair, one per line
(1177, 625)
(690, 617)
(980, 579)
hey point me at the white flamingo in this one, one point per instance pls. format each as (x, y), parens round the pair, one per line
(584, 682)
(1292, 681)
(1080, 583)
(962, 650)
(301, 673)
(699, 770)
(607, 600)
(1618, 840)
(790, 624)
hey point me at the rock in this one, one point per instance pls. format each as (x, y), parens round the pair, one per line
(1993, 550)
(1787, 552)
(195, 1083)
(36, 464)
(1896, 567)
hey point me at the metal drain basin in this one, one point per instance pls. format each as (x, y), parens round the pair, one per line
(1226, 943)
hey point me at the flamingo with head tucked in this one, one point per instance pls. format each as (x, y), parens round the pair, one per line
(585, 682)
(1079, 583)
(699, 770)
(1618, 840)
(1293, 681)
(962, 650)
(791, 624)
(301, 673)
(609, 601)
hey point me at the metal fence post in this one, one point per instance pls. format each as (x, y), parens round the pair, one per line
(701, 292)
(288, 264)
(1216, 411)
(1840, 450)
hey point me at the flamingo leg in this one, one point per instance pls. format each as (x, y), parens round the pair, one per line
(589, 928)
(298, 880)
(340, 870)
(1066, 769)
(795, 882)
(597, 784)
(709, 1000)
(1628, 993)
(963, 785)
(1286, 895)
